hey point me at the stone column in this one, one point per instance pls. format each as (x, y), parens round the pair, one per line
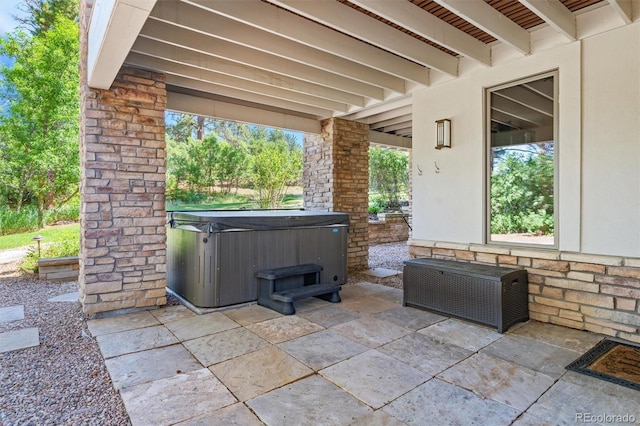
(122, 218)
(336, 178)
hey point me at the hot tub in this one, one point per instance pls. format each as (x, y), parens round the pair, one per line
(213, 256)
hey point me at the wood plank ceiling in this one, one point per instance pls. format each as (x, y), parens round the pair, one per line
(313, 59)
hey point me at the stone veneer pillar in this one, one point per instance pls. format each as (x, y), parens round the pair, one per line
(122, 217)
(336, 178)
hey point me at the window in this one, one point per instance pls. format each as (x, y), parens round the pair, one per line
(522, 161)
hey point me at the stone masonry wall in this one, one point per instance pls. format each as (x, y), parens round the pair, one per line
(390, 228)
(336, 178)
(582, 291)
(122, 218)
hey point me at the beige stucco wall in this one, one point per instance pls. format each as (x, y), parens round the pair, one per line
(611, 142)
(598, 145)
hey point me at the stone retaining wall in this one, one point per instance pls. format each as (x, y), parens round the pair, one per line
(582, 291)
(59, 268)
(389, 228)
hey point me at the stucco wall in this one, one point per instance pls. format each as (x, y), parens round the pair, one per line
(598, 146)
(611, 143)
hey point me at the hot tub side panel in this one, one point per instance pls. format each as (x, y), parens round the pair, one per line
(221, 270)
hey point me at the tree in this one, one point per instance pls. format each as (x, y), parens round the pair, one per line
(41, 14)
(274, 167)
(522, 191)
(388, 174)
(39, 158)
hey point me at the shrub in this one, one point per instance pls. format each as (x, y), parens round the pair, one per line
(65, 248)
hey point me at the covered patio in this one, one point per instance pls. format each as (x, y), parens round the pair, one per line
(562, 74)
(367, 360)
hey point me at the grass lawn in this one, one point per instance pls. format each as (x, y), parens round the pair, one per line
(68, 232)
(51, 234)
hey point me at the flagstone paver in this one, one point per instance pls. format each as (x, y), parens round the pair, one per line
(67, 297)
(577, 340)
(146, 366)
(19, 339)
(464, 334)
(284, 328)
(12, 313)
(176, 398)
(576, 396)
(329, 315)
(251, 314)
(119, 323)
(235, 414)
(124, 342)
(423, 353)
(201, 325)
(335, 348)
(258, 372)
(500, 380)
(408, 317)
(374, 378)
(548, 359)
(172, 313)
(225, 345)
(370, 331)
(310, 401)
(437, 402)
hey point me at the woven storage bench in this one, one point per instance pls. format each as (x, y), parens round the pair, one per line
(485, 294)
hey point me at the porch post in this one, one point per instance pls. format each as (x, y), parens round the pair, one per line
(336, 178)
(122, 217)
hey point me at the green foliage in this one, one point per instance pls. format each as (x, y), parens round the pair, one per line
(522, 193)
(26, 219)
(196, 167)
(64, 248)
(53, 234)
(39, 157)
(275, 165)
(388, 175)
(229, 156)
(40, 15)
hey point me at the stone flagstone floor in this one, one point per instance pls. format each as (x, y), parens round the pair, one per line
(367, 360)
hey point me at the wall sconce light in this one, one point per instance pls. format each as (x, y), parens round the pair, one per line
(443, 134)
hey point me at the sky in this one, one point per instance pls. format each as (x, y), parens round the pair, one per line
(8, 8)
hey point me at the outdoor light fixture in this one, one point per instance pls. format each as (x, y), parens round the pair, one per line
(38, 238)
(443, 134)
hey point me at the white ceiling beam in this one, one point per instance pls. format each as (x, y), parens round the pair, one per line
(245, 114)
(114, 26)
(391, 121)
(230, 81)
(490, 21)
(196, 59)
(379, 138)
(198, 19)
(555, 14)
(623, 8)
(382, 108)
(387, 115)
(350, 21)
(415, 19)
(269, 102)
(297, 29)
(163, 31)
(396, 127)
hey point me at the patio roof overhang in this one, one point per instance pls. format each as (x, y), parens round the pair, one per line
(291, 63)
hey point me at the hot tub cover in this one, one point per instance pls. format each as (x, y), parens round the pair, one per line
(215, 220)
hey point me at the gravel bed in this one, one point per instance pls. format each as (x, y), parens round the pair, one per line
(64, 380)
(388, 256)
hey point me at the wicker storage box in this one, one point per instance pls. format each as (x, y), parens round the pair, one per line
(484, 294)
